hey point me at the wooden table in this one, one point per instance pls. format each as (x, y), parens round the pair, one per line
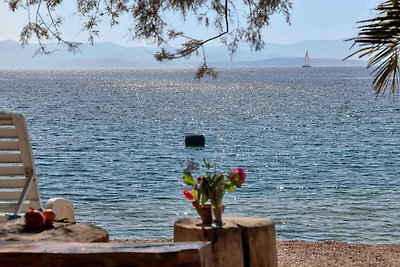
(66, 254)
(76, 245)
(241, 242)
(15, 230)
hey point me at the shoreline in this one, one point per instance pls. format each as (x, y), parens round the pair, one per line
(324, 253)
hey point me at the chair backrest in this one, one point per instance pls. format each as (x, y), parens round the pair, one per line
(19, 189)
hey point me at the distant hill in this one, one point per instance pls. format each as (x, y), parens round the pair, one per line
(108, 55)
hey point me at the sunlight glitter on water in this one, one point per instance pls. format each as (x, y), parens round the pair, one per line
(320, 150)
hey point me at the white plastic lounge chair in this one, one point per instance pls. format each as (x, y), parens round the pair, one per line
(19, 189)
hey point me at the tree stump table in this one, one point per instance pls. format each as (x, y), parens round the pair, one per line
(241, 242)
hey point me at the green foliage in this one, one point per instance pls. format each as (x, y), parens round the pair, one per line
(379, 39)
(188, 179)
(148, 20)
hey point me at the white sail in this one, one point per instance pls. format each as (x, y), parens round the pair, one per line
(306, 61)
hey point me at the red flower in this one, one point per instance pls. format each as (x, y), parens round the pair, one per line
(189, 195)
(238, 176)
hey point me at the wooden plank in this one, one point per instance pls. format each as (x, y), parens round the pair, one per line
(194, 254)
(6, 121)
(8, 133)
(10, 194)
(9, 207)
(10, 158)
(5, 116)
(12, 182)
(9, 145)
(12, 170)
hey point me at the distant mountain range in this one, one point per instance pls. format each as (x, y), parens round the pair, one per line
(109, 55)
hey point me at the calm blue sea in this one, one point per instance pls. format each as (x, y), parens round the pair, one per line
(321, 151)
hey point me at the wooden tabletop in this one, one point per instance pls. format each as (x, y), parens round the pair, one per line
(15, 230)
(77, 245)
(66, 254)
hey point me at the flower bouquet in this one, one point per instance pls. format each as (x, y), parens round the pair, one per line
(211, 186)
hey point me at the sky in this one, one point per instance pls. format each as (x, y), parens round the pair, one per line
(311, 20)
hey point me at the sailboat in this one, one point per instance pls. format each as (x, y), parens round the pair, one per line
(306, 61)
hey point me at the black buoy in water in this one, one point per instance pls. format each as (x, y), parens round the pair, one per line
(195, 140)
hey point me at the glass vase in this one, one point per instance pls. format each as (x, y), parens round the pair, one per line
(217, 211)
(216, 196)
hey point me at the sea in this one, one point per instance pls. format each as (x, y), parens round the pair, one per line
(321, 151)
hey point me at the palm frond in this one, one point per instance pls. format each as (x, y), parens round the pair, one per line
(379, 39)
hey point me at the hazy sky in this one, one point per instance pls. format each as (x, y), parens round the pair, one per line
(311, 19)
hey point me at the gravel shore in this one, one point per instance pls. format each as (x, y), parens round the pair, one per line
(329, 253)
(333, 253)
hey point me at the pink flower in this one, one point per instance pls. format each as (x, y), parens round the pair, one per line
(189, 195)
(238, 176)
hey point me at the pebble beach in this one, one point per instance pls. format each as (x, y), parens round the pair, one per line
(328, 253)
(333, 253)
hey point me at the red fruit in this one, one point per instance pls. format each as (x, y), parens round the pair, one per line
(49, 216)
(34, 220)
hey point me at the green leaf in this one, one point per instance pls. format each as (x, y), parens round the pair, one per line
(378, 38)
(196, 194)
(230, 187)
(204, 199)
(188, 179)
(207, 165)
